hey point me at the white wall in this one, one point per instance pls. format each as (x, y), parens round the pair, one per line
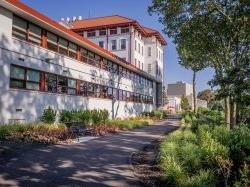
(32, 103)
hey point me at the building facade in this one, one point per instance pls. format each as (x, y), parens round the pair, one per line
(43, 64)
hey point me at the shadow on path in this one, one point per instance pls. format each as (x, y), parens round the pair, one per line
(100, 162)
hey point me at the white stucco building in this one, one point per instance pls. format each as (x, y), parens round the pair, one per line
(43, 63)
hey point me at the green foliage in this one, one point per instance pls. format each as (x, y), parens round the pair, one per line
(49, 115)
(156, 114)
(96, 117)
(128, 123)
(184, 104)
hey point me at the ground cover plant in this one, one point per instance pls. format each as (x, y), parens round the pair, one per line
(204, 154)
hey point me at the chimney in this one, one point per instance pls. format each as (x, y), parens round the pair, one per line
(74, 18)
(67, 19)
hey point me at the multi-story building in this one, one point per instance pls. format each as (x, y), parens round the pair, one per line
(43, 63)
(142, 47)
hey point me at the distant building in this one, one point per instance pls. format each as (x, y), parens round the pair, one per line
(173, 104)
(179, 89)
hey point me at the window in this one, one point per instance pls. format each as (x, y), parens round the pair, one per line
(113, 45)
(124, 95)
(24, 78)
(63, 46)
(142, 50)
(139, 48)
(102, 32)
(90, 33)
(149, 51)
(135, 62)
(17, 77)
(93, 90)
(120, 95)
(123, 44)
(139, 64)
(135, 45)
(149, 68)
(110, 92)
(19, 29)
(62, 85)
(97, 61)
(52, 42)
(83, 88)
(35, 34)
(83, 55)
(104, 91)
(72, 86)
(142, 66)
(125, 30)
(50, 83)
(72, 50)
(33, 80)
(101, 44)
(115, 68)
(113, 31)
(91, 56)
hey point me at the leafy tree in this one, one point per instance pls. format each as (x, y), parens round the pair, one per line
(206, 95)
(219, 33)
(184, 104)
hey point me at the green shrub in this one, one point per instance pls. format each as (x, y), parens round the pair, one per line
(174, 173)
(202, 178)
(169, 148)
(85, 116)
(48, 116)
(211, 148)
(65, 116)
(190, 155)
(128, 123)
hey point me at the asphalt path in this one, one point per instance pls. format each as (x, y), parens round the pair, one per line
(104, 161)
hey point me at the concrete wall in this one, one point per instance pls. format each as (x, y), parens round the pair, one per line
(28, 105)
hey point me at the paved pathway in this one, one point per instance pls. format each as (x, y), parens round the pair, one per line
(100, 162)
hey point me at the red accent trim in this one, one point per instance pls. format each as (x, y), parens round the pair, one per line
(78, 54)
(44, 38)
(42, 81)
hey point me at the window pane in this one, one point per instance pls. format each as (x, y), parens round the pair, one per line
(123, 44)
(33, 75)
(50, 83)
(17, 72)
(51, 37)
(72, 91)
(63, 43)
(62, 85)
(83, 88)
(35, 34)
(72, 47)
(113, 44)
(32, 86)
(72, 83)
(16, 84)
(19, 28)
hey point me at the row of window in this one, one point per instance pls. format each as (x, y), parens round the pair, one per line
(27, 31)
(25, 78)
(138, 48)
(114, 45)
(103, 32)
(138, 64)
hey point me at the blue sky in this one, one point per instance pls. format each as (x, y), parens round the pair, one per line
(136, 9)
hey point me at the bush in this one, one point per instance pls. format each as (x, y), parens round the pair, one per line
(42, 133)
(128, 123)
(202, 178)
(48, 116)
(65, 116)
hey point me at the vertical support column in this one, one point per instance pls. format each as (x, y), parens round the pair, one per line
(78, 87)
(44, 38)
(42, 81)
(78, 54)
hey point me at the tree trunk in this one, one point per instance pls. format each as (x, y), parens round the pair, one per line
(194, 90)
(227, 112)
(232, 114)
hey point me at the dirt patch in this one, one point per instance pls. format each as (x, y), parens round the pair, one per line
(145, 165)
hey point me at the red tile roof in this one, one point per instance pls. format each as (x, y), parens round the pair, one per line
(112, 21)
